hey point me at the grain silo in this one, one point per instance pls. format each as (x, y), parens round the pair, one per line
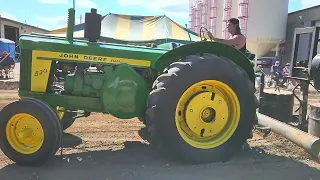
(267, 24)
(263, 22)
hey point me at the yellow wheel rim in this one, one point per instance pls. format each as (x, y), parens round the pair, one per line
(207, 114)
(60, 112)
(24, 133)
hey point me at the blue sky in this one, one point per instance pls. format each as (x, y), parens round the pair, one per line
(51, 14)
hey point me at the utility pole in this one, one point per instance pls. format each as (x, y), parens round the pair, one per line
(74, 4)
(0, 26)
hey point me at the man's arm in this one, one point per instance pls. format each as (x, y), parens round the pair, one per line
(271, 69)
(235, 40)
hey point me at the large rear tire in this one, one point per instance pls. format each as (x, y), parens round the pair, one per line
(30, 132)
(202, 109)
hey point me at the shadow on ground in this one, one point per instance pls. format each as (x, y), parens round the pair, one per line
(138, 161)
(70, 140)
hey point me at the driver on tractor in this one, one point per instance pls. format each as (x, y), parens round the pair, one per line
(237, 39)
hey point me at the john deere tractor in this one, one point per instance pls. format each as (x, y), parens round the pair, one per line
(196, 100)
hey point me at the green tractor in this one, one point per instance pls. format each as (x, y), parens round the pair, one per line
(197, 100)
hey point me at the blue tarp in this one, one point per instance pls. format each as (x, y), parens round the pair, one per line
(9, 46)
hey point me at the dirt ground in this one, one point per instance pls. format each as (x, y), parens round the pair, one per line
(101, 147)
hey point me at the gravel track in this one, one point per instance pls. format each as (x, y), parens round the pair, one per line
(102, 147)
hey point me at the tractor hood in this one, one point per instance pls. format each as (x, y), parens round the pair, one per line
(59, 48)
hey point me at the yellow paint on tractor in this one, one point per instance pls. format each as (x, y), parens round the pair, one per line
(91, 58)
(207, 114)
(41, 64)
(24, 133)
(40, 70)
(60, 112)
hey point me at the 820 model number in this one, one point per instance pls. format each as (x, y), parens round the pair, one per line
(40, 72)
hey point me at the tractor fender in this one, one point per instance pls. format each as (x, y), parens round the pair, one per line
(216, 48)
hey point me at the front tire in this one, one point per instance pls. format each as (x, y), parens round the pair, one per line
(194, 110)
(30, 132)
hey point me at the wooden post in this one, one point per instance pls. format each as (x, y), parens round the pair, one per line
(304, 140)
(314, 120)
(304, 108)
(278, 105)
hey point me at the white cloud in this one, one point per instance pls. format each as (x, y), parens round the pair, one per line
(173, 8)
(54, 1)
(55, 22)
(86, 3)
(130, 3)
(309, 3)
(79, 3)
(8, 16)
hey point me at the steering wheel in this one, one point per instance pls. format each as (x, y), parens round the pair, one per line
(203, 35)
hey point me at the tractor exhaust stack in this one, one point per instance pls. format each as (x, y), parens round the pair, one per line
(71, 22)
(92, 30)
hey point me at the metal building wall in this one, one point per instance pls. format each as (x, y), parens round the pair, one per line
(299, 19)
